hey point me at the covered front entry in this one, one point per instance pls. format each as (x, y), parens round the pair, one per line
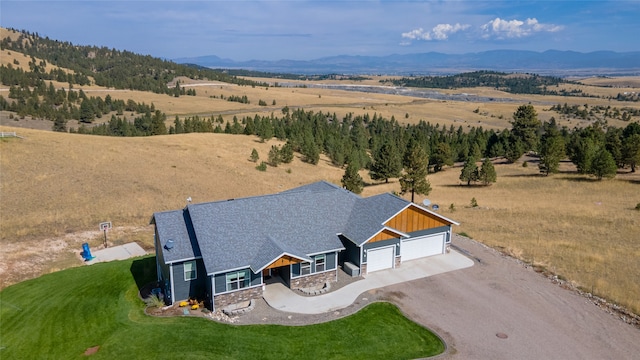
(415, 248)
(380, 258)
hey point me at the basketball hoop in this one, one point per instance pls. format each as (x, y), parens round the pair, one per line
(105, 226)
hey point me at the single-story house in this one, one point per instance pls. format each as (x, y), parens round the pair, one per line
(222, 252)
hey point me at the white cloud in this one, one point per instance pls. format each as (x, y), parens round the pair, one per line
(439, 32)
(503, 29)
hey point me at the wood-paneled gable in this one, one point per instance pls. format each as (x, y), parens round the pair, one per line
(414, 219)
(283, 261)
(384, 235)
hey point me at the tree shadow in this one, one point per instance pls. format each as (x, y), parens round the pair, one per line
(579, 179)
(525, 175)
(465, 186)
(143, 271)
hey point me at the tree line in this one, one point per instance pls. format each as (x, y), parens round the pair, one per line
(522, 84)
(382, 145)
(112, 68)
(59, 105)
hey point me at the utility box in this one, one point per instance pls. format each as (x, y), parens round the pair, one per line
(351, 269)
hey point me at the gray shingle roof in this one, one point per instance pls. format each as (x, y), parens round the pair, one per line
(176, 226)
(253, 232)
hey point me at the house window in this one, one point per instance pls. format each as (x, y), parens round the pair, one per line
(305, 268)
(190, 272)
(319, 260)
(237, 280)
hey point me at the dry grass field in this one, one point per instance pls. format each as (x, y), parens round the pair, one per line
(56, 188)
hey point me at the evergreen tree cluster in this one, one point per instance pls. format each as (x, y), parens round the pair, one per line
(145, 125)
(597, 112)
(110, 67)
(521, 84)
(45, 101)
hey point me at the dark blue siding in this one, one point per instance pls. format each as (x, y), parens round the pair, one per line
(351, 253)
(195, 289)
(220, 280)
(430, 231)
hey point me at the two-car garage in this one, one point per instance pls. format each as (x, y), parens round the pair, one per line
(419, 247)
(382, 258)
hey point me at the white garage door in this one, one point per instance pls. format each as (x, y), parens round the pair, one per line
(380, 259)
(422, 246)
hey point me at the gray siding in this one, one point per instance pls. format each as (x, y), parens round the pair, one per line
(163, 271)
(220, 280)
(351, 253)
(330, 261)
(432, 231)
(195, 289)
(381, 243)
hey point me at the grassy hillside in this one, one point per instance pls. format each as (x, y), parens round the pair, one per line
(61, 315)
(54, 186)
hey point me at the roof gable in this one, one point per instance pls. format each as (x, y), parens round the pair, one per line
(414, 218)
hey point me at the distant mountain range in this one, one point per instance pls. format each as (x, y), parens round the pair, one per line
(551, 62)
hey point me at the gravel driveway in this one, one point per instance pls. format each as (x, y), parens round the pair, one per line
(473, 309)
(496, 309)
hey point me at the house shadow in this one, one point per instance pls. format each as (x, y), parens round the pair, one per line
(143, 271)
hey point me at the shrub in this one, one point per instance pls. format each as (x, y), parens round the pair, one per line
(638, 207)
(262, 166)
(525, 164)
(254, 155)
(474, 202)
(452, 207)
(154, 301)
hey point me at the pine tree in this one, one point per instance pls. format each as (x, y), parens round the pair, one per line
(387, 162)
(441, 156)
(469, 171)
(603, 165)
(274, 157)
(487, 173)
(351, 180)
(286, 153)
(525, 126)
(631, 151)
(551, 150)
(254, 155)
(414, 179)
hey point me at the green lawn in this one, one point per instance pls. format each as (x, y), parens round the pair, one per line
(60, 315)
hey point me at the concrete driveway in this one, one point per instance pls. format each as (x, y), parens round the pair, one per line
(282, 298)
(119, 252)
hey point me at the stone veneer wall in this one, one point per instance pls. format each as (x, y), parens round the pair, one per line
(235, 297)
(313, 280)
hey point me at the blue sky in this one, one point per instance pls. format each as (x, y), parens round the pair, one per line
(302, 30)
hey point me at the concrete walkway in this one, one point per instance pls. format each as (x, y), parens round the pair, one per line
(282, 298)
(119, 252)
